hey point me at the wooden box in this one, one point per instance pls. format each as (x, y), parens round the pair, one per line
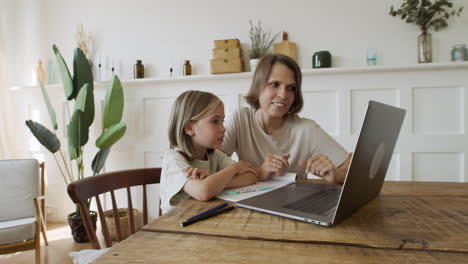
(226, 43)
(227, 65)
(227, 53)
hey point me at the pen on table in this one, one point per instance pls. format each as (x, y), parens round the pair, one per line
(207, 211)
(205, 216)
(265, 188)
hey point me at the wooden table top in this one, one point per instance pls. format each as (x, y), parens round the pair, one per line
(409, 220)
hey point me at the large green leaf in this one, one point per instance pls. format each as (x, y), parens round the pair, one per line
(111, 135)
(83, 75)
(99, 160)
(72, 152)
(113, 104)
(65, 74)
(48, 139)
(77, 131)
(51, 111)
(85, 103)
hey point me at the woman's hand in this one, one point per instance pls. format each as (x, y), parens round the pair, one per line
(274, 163)
(321, 166)
(195, 173)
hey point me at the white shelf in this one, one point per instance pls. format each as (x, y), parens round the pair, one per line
(305, 72)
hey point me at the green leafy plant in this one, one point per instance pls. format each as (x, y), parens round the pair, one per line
(426, 13)
(80, 90)
(261, 40)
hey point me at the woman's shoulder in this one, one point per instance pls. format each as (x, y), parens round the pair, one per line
(297, 120)
(244, 112)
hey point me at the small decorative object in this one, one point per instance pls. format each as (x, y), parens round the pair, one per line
(321, 59)
(40, 72)
(138, 70)
(286, 47)
(371, 56)
(227, 57)
(459, 53)
(187, 68)
(80, 90)
(426, 14)
(261, 42)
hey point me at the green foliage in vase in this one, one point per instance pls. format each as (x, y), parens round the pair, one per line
(79, 89)
(261, 40)
(426, 13)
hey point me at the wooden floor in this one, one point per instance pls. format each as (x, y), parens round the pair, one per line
(60, 244)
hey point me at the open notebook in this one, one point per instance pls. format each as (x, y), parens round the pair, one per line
(237, 194)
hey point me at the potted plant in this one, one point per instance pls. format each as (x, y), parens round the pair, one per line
(261, 42)
(80, 90)
(426, 14)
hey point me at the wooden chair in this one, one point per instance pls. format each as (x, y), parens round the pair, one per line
(22, 203)
(82, 190)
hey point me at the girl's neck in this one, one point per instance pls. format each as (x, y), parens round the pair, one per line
(269, 124)
(201, 153)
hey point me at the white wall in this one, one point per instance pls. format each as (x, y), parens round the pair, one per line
(155, 30)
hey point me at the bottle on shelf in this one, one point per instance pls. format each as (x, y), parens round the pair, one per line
(40, 72)
(187, 68)
(138, 70)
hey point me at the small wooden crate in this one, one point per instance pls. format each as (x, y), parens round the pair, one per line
(226, 43)
(227, 53)
(227, 65)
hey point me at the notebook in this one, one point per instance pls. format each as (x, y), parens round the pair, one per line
(237, 194)
(327, 204)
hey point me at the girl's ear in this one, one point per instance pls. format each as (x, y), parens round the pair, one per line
(189, 129)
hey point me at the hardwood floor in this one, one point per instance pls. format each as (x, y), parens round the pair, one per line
(60, 244)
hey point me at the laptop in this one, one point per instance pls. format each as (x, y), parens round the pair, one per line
(327, 204)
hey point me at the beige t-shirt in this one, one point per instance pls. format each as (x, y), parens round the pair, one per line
(173, 177)
(301, 137)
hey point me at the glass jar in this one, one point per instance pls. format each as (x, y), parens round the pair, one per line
(138, 70)
(459, 53)
(187, 68)
(425, 48)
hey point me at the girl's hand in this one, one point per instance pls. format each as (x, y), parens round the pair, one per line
(195, 173)
(243, 167)
(274, 163)
(321, 166)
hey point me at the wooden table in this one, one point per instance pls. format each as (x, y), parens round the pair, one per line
(410, 222)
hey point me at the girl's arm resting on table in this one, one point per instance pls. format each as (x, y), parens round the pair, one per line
(207, 188)
(241, 180)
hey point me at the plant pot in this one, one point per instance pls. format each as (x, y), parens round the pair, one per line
(253, 64)
(425, 48)
(77, 226)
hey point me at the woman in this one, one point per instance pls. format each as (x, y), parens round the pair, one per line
(272, 137)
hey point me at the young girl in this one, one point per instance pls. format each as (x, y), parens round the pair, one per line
(196, 131)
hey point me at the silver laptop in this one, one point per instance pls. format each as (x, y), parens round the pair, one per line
(327, 204)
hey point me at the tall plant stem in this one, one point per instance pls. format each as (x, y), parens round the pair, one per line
(60, 168)
(65, 162)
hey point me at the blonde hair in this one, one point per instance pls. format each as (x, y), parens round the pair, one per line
(262, 73)
(190, 106)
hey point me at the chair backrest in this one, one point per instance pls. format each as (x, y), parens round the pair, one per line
(19, 184)
(82, 190)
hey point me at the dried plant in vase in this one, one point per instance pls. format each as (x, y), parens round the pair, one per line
(426, 14)
(83, 42)
(261, 42)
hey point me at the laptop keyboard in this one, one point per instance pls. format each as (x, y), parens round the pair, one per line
(318, 203)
